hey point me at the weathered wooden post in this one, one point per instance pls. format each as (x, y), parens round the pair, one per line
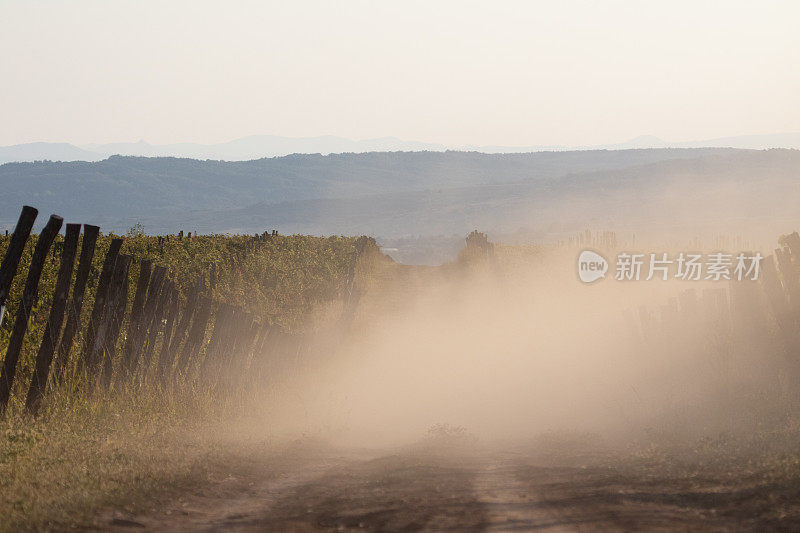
(153, 294)
(155, 326)
(121, 301)
(258, 366)
(56, 318)
(100, 304)
(13, 254)
(108, 332)
(137, 310)
(164, 360)
(231, 345)
(29, 294)
(183, 327)
(218, 333)
(76, 303)
(196, 335)
(243, 344)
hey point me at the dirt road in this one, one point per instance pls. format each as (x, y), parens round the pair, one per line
(413, 491)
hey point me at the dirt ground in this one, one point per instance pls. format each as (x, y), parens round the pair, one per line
(426, 490)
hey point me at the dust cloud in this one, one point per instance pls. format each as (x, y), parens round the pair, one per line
(514, 353)
(514, 345)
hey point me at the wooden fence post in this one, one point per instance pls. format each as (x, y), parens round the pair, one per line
(249, 348)
(164, 360)
(75, 306)
(244, 344)
(155, 327)
(13, 254)
(108, 333)
(175, 352)
(56, 318)
(183, 324)
(221, 320)
(196, 335)
(153, 293)
(121, 304)
(100, 304)
(232, 346)
(137, 311)
(29, 294)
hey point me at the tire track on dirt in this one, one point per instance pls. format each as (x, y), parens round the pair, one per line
(423, 491)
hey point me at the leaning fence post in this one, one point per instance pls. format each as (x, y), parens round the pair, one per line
(218, 338)
(76, 303)
(196, 335)
(99, 303)
(108, 333)
(175, 353)
(56, 318)
(120, 306)
(13, 254)
(155, 327)
(164, 359)
(153, 294)
(251, 340)
(137, 310)
(244, 344)
(29, 294)
(232, 346)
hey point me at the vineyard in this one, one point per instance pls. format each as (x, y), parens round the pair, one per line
(91, 311)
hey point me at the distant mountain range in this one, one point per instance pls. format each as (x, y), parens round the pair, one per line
(260, 146)
(397, 194)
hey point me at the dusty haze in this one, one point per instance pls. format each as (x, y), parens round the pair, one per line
(516, 347)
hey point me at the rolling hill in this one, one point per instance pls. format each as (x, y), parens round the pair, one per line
(411, 193)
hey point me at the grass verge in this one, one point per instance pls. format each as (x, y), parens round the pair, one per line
(58, 470)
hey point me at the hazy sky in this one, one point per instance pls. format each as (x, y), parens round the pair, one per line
(512, 73)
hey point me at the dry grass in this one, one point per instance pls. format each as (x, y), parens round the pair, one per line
(57, 471)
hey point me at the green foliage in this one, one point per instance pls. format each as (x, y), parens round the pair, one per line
(279, 279)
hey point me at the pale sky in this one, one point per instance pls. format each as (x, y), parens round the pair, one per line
(502, 73)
